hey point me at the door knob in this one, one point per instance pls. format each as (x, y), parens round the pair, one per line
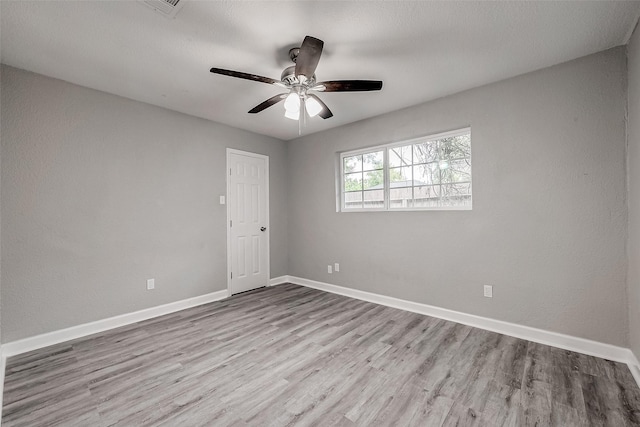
(263, 228)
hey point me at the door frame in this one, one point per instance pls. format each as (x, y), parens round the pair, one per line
(228, 203)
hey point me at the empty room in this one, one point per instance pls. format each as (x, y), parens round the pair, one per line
(297, 213)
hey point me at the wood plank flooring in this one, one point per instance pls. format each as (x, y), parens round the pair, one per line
(290, 355)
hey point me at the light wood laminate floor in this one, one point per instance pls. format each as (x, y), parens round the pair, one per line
(290, 355)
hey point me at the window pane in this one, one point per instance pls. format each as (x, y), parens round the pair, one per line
(425, 152)
(426, 196)
(352, 164)
(400, 177)
(372, 161)
(455, 171)
(426, 174)
(373, 179)
(353, 181)
(374, 199)
(445, 173)
(455, 147)
(460, 170)
(353, 200)
(456, 195)
(400, 198)
(400, 156)
(456, 189)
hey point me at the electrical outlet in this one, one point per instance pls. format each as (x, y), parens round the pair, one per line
(488, 291)
(329, 269)
(336, 267)
(151, 284)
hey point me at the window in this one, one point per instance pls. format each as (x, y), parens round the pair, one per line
(432, 172)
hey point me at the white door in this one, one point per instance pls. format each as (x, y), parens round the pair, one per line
(248, 225)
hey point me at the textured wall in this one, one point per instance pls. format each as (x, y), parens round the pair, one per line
(548, 223)
(633, 182)
(100, 193)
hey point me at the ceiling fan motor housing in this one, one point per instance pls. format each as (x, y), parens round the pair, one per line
(289, 78)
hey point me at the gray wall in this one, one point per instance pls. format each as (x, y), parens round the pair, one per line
(0, 210)
(633, 181)
(100, 193)
(548, 225)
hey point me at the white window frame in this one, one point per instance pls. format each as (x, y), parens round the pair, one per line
(385, 168)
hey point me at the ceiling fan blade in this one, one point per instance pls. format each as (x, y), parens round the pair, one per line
(309, 56)
(246, 76)
(326, 112)
(268, 103)
(348, 86)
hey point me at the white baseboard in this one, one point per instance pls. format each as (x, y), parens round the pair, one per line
(279, 280)
(3, 365)
(32, 343)
(634, 367)
(567, 342)
(580, 345)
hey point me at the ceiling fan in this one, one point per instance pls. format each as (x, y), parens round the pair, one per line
(300, 80)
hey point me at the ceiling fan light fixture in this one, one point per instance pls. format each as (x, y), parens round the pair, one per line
(292, 103)
(313, 107)
(293, 115)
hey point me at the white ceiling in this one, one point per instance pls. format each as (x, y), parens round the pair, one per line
(421, 50)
